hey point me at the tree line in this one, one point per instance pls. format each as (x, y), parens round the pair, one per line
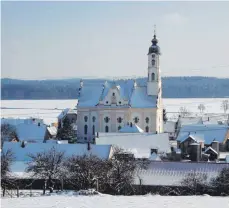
(114, 176)
(172, 87)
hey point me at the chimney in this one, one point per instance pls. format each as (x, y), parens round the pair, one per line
(215, 146)
(97, 134)
(39, 124)
(88, 146)
(131, 124)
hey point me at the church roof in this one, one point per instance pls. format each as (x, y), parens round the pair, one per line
(91, 94)
(131, 129)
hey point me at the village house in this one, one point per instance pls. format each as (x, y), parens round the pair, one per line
(70, 114)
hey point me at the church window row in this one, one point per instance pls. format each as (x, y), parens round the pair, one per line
(86, 118)
(153, 62)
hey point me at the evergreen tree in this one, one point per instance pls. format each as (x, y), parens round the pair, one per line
(66, 132)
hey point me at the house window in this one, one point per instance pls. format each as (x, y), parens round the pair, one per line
(136, 120)
(147, 119)
(93, 130)
(119, 119)
(85, 118)
(152, 76)
(85, 129)
(153, 62)
(93, 118)
(147, 129)
(106, 129)
(106, 119)
(119, 127)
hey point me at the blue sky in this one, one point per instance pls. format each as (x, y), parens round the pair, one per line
(43, 40)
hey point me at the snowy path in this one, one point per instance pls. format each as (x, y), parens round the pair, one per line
(105, 201)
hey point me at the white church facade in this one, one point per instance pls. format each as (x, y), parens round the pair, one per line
(114, 104)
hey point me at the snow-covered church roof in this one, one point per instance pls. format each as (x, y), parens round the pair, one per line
(134, 94)
(133, 128)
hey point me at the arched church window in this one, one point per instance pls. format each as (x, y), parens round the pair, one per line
(93, 130)
(152, 76)
(119, 127)
(153, 62)
(85, 118)
(136, 120)
(106, 129)
(119, 119)
(147, 129)
(106, 119)
(153, 55)
(93, 118)
(147, 119)
(85, 129)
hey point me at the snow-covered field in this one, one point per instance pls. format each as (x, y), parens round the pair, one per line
(104, 201)
(50, 109)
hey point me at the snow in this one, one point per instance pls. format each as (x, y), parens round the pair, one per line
(138, 143)
(50, 109)
(103, 201)
(31, 132)
(52, 130)
(172, 173)
(140, 99)
(21, 154)
(211, 132)
(169, 126)
(131, 129)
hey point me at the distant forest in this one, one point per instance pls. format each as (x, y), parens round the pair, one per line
(172, 87)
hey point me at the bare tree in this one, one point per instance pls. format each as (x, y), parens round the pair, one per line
(86, 172)
(220, 183)
(47, 165)
(195, 183)
(123, 170)
(183, 112)
(201, 108)
(7, 158)
(225, 105)
(8, 132)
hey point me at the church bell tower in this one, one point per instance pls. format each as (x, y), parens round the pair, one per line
(154, 77)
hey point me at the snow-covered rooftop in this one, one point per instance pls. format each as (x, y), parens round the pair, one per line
(65, 112)
(31, 132)
(91, 94)
(131, 129)
(195, 137)
(190, 120)
(21, 154)
(169, 126)
(171, 173)
(210, 132)
(138, 143)
(52, 130)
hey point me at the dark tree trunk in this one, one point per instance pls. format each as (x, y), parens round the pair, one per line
(44, 187)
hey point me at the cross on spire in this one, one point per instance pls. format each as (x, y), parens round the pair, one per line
(154, 31)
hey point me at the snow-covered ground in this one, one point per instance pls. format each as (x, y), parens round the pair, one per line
(50, 109)
(103, 201)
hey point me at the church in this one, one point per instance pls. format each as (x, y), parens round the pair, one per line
(114, 104)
